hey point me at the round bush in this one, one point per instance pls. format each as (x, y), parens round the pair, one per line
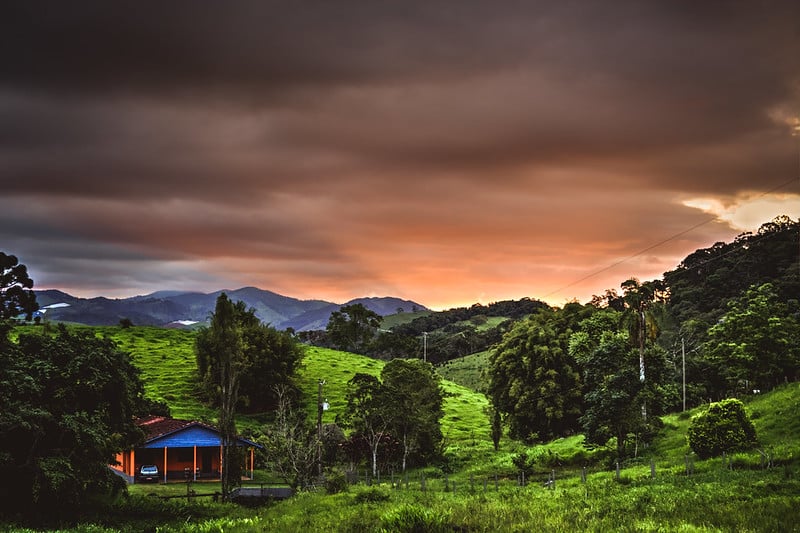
(724, 427)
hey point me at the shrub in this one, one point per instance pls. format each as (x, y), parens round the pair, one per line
(372, 495)
(724, 427)
(336, 483)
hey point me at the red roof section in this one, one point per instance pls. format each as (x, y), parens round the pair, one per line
(158, 426)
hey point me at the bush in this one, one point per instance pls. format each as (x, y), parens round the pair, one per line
(336, 483)
(372, 495)
(724, 427)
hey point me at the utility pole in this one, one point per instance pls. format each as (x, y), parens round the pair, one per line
(425, 346)
(683, 373)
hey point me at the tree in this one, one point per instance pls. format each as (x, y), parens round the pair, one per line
(16, 289)
(614, 392)
(414, 399)
(365, 412)
(613, 386)
(755, 345)
(534, 381)
(291, 443)
(269, 361)
(723, 427)
(69, 402)
(495, 425)
(353, 327)
(224, 344)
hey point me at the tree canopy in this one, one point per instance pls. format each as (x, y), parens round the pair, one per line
(16, 289)
(266, 358)
(69, 403)
(353, 327)
(534, 381)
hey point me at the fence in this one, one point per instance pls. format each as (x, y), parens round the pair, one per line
(550, 479)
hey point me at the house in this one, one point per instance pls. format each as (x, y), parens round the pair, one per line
(180, 449)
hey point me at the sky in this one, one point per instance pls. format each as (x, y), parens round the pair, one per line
(450, 153)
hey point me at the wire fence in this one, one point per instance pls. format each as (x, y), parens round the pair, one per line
(551, 478)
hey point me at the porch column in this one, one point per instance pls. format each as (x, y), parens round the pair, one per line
(194, 467)
(252, 463)
(165, 464)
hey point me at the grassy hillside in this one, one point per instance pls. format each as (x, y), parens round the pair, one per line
(167, 362)
(467, 371)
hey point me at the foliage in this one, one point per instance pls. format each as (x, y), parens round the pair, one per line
(16, 289)
(336, 482)
(267, 359)
(755, 342)
(291, 444)
(413, 399)
(706, 279)
(534, 381)
(413, 519)
(221, 348)
(353, 327)
(366, 414)
(69, 402)
(724, 427)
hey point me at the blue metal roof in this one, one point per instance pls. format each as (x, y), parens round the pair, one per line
(194, 435)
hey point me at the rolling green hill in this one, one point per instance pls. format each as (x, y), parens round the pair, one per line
(167, 362)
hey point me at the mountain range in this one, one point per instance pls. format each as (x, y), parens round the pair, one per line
(184, 309)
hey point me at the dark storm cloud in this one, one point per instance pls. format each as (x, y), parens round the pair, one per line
(298, 143)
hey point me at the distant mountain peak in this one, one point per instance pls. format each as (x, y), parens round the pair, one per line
(171, 308)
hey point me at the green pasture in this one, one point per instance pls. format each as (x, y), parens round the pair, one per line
(468, 371)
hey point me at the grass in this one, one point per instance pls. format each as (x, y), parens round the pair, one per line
(714, 498)
(398, 319)
(467, 371)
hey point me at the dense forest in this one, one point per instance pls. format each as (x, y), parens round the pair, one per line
(725, 322)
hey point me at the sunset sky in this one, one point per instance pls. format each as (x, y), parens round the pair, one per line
(445, 152)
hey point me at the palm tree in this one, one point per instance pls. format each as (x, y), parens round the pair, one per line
(639, 299)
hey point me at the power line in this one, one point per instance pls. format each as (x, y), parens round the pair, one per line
(656, 245)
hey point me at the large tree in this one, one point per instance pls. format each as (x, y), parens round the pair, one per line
(414, 399)
(353, 327)
(223, 343)
(366, 413)
(755, 344)
(613, 401)
(534, 381)
(68, 406)
(268, 361)
(16, 289)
